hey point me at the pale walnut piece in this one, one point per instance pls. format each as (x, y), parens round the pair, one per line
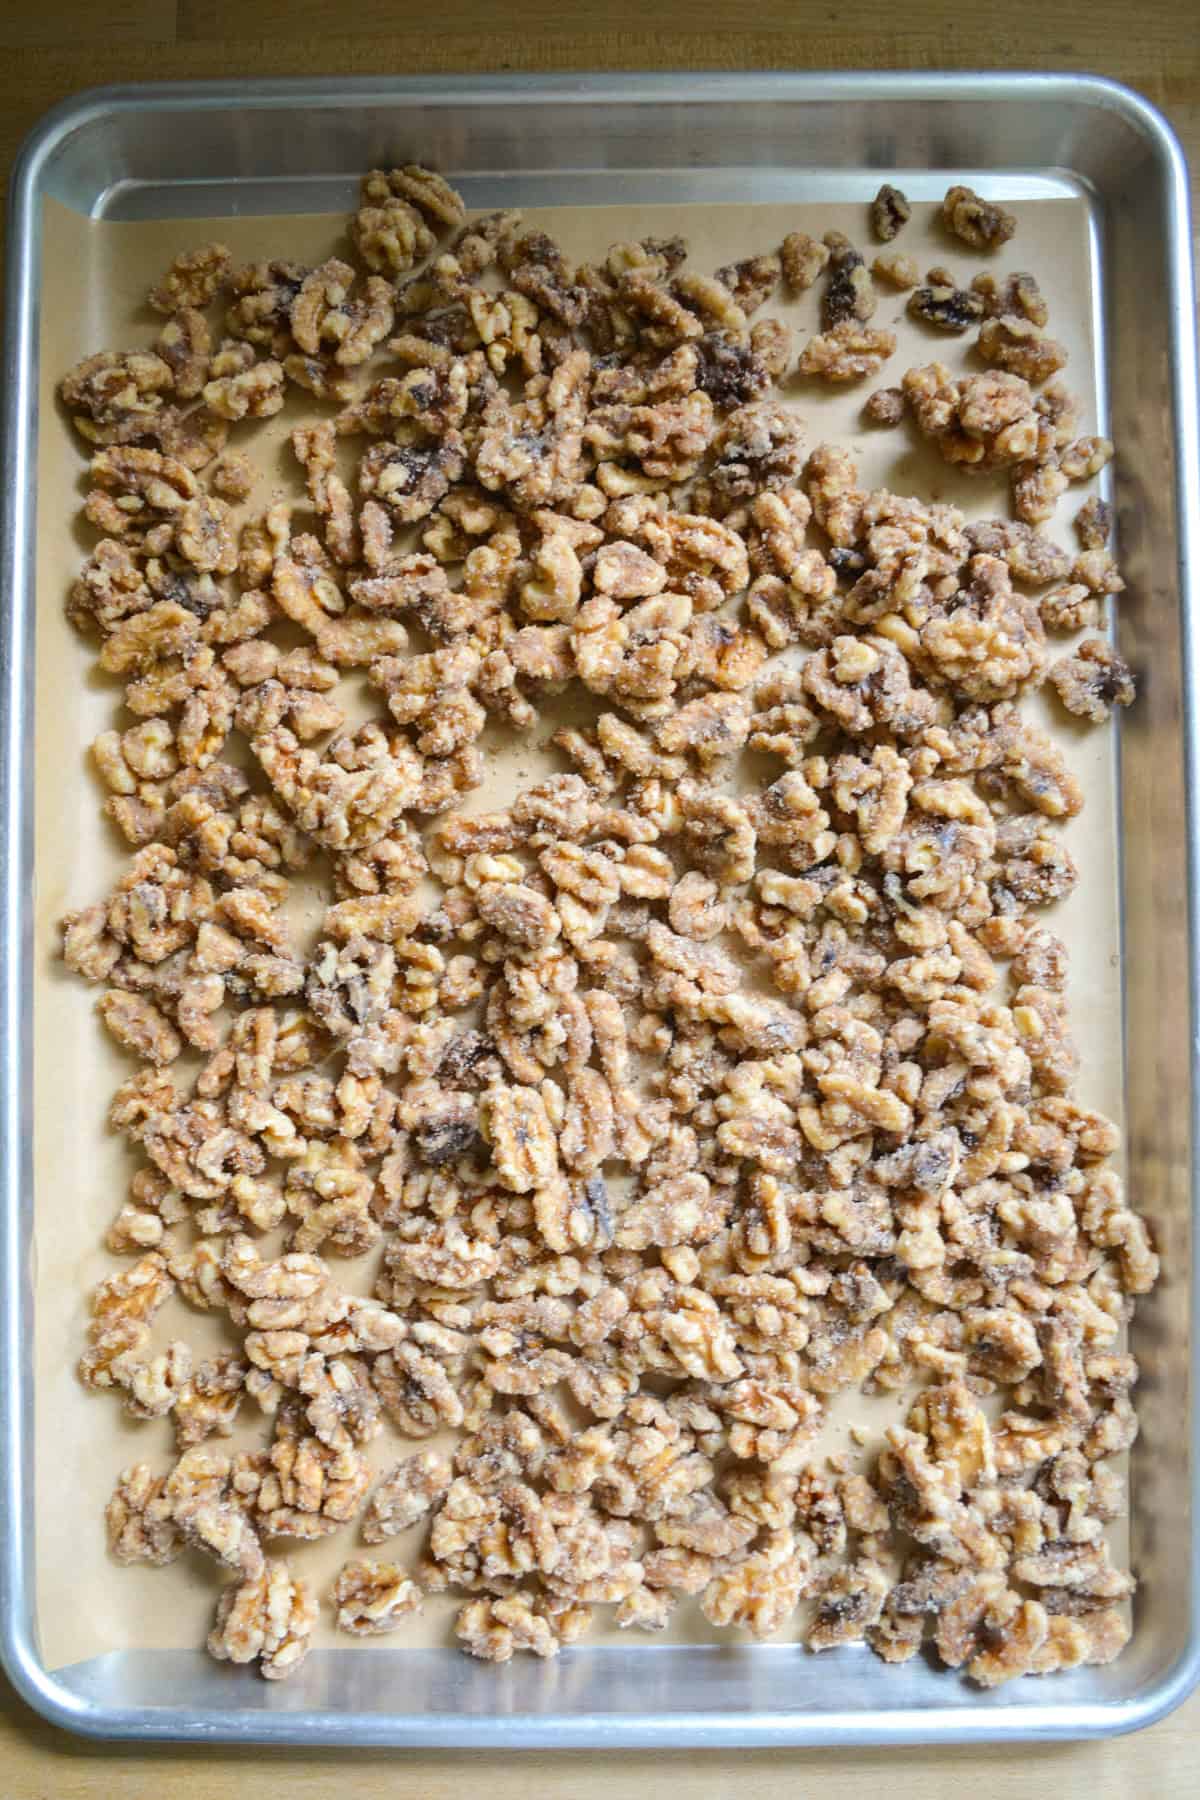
(602, 1135)
(898, 271)
(885, 406)
(848, 352)
(374, 1597)
(413, 1489)
(1018, 345)
(268, 1620)
(803, 258)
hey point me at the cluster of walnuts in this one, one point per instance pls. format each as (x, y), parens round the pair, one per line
(724, 1070)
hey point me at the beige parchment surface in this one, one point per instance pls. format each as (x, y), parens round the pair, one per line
(95, 277)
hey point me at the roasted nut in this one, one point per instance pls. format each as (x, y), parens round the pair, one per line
(1093, 681)
(889, 212)
(980, 223)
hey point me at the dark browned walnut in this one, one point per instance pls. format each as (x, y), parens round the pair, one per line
(890, 212)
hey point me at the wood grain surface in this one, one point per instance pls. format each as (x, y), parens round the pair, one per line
(52, 48)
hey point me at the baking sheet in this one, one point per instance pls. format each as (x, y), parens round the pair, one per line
(96, 276)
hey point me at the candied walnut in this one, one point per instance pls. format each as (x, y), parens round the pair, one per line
(1093, 681)
(194, 279)
(1018, 345)
(720, 836)
(890, 211)
(712, 727)
(1037, 488)
(329, 1195)
(1016, 296)
(666, 441)
(1012, 1633)
(324, 318)
(415, 1390)
(349, 795)
(374, 1597)
(184, 343)
(153, 1383)
(627, 573)
(136, 487)
(900, 272)
(389, 234)
(342, 1408)
(1093, 524)
(131, 1297)
(412, 1489)
(850, 1604)
(410, 479)
(980, 223)
(267, 1619)
(204, 536)
(515, 1124)
(697, 909)
(139, 1519)
(991, 645)
(1085, 457)
(847, 352)
(423, 188)
(239, 387)
(111, 586)
(1070, 1642)
(848, 293)
(751, 281)
(516, 1339)
(431, 694)
(309, 1488)
(861, 683)
(946, 308)
(212, 1523)
(802, 258)
(885, 406)
(983, 421)
(703, 558)
(645, 1610)
(210, 1401)
(1031, 556)
(762, 1589)
(139, 1026)
(682, 1211)
(116, 397)
(494, 1629)
(233, 476)
(757, 447)
(1095, 570)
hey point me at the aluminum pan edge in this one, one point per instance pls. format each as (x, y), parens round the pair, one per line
(76, 1698)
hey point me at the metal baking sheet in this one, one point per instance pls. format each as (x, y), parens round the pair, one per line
(241, 150)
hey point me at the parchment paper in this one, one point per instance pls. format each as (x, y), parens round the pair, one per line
(95, 275)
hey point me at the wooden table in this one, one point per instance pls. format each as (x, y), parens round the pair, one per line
(51, 48)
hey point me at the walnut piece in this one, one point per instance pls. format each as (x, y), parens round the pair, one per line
(980, 223)
(1093, 681)
(890, 211)
(374, 1597)
(268, 1619)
